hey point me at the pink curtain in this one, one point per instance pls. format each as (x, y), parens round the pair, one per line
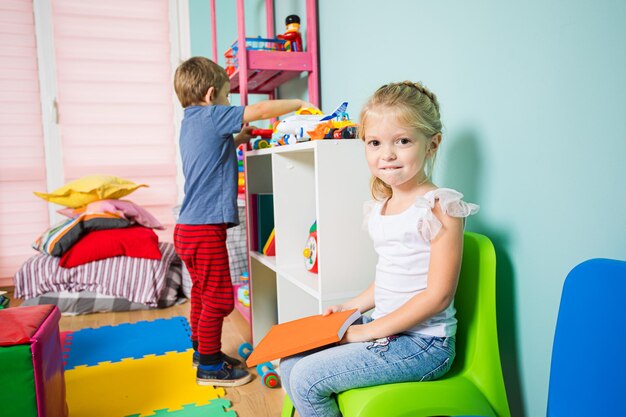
(115, 107)
(22, 161)
(114, 81)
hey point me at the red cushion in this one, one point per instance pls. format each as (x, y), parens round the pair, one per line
(134, 241)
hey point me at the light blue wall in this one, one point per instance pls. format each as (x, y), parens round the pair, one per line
(534, 102)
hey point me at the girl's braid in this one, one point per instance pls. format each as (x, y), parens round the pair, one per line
(424, 91)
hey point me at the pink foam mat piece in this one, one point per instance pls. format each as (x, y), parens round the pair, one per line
(66, 342)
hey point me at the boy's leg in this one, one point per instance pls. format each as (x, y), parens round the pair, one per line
(313, 381)
(186, 249)
(217, 292)
(216, 295)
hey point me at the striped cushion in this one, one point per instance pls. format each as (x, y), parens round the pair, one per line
(59, 238)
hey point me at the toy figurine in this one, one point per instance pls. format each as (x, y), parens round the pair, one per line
(310, 250)
(292, 35)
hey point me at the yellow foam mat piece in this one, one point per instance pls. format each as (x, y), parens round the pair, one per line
(136, 386)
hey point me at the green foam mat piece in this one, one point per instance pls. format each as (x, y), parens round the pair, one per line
(216, 408)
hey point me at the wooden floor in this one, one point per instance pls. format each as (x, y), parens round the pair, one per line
(250, 400)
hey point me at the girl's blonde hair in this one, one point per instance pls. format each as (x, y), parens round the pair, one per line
(414, 105)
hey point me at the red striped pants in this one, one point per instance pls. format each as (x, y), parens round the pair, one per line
(203, 250)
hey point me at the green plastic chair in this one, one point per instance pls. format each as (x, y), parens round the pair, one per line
(474, 385)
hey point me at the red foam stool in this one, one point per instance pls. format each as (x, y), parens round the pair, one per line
(31, 362)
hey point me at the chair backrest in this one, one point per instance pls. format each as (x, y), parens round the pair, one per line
(588, 356)
(478, 355)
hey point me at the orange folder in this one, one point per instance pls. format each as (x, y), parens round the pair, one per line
(300, 335)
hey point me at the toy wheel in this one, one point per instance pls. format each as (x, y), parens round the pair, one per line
(267, 365)
(245, 349)
(271, 380)
(263, 144)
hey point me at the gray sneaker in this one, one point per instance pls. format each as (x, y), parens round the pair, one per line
(224, 376)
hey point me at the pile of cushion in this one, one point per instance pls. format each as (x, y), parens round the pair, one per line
(99, 225)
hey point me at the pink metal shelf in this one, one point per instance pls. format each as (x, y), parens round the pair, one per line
(269, 69)
(261, 72)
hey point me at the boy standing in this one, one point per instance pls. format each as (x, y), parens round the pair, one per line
(209, 207)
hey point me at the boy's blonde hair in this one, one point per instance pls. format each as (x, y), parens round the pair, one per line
(194, 77)
(415, 105)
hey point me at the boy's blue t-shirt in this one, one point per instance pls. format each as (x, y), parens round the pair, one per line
(209, 160)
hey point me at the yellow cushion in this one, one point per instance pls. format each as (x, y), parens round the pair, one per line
(88, 189)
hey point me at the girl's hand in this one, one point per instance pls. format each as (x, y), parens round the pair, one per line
(356, 333)
(334, 309)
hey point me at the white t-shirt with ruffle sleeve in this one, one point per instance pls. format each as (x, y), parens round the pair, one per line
(402, 242)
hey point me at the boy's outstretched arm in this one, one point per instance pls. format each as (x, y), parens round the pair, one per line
(268, 109)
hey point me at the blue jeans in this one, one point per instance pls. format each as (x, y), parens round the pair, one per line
(312, 379)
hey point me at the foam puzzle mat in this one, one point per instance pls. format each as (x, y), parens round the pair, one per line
(131, 340)
(152, 379)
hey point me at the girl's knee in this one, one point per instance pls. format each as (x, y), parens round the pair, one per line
(284, 370)
(302, 380)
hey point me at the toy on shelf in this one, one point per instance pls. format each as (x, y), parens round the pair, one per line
(253, 44)
(243, 292)
(261, 141)
(264, 133)
(310, 250)
(292, 37)
(241, 179)
(309, 124)
(230, 62)
(268, 375)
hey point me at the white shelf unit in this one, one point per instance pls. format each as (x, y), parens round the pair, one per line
(325, 181)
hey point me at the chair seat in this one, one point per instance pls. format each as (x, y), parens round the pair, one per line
(456, 395)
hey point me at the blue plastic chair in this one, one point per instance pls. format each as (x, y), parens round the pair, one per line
(589, 353)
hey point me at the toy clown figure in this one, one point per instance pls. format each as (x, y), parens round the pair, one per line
(292, 35)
